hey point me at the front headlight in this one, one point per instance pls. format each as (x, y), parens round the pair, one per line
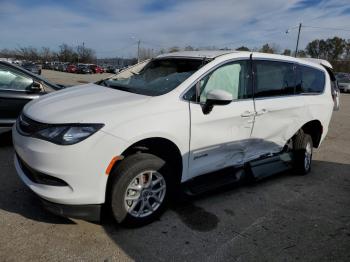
(68, 134)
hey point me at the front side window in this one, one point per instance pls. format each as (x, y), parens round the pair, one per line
(11, 80)
(157, 77)
(274, 78)
(233, 78)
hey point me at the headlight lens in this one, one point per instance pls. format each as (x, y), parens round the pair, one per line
(68, 135)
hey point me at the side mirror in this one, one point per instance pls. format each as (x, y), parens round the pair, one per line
(216, 97)
(219, 97)
(36, 88)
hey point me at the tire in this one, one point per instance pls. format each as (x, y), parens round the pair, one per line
(302, 151)
(128, 180)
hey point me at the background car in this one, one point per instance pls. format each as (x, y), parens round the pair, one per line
(112, 69)
(32, 67)
(343, 82)
(47, 65)
(83, 69)
(96, 69)
(17, 87)
(71, 68)
(55, 66)
(63, 67)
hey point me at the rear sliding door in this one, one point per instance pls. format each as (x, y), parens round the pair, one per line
(279, 109)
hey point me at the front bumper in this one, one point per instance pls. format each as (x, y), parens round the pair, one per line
(81, 166)
(86, 212)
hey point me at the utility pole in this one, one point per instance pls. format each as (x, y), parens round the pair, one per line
(296, 48)
(83, 51)
(138, 51)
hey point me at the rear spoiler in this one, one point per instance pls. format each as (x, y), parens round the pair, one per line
(321, 62)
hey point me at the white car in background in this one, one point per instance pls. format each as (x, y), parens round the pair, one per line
(343, 82)
(128, 142)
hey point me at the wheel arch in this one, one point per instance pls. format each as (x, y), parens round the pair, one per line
(315, 129)
(159, 146)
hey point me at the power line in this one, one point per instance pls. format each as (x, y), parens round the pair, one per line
(327, 28)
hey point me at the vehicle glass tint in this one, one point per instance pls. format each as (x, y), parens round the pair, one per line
(191, 94)
(10, 80)
(233, 78)
(274, 78)
(312, 80)
(158, 77)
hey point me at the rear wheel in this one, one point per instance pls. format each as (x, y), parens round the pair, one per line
(139, 189)
(302, 148)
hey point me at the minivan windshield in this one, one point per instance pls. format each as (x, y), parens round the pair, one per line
(157, 77)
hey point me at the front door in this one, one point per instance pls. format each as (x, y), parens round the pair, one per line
(219, 139)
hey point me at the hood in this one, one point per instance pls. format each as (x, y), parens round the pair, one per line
(88, 103)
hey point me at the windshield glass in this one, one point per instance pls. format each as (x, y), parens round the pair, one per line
(157, 77)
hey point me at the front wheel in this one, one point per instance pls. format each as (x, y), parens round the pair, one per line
(139, 189)
(303, 148)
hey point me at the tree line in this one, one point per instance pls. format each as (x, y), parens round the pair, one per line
(336, 50)
(65, 53)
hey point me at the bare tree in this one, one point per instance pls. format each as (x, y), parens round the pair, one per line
(189, 48)
(47, 55)
(266, 49)
(85, 55)
(242, 48)
(66, 53)
(287, 52)
(174, 49)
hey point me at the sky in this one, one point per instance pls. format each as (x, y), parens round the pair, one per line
(113, 27)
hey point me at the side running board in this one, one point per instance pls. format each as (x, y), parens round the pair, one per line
(256, 170)
(269, 166)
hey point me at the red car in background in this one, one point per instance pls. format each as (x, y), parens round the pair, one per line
(71, 69)
(97, 69)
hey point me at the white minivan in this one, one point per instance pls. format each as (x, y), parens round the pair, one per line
(196, 119)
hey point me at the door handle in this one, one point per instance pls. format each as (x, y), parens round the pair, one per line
(247, 114)
(261, 112)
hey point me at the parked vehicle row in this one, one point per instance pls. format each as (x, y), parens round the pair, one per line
(74, 68)
(130, 141)
(32, 67)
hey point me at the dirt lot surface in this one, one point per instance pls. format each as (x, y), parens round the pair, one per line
(284, 218)
(72, 79)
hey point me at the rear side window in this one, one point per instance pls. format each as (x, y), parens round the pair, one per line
(311, 80)
(274, 78)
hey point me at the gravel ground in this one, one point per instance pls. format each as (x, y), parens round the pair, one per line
(72, 79)
(284, 218)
